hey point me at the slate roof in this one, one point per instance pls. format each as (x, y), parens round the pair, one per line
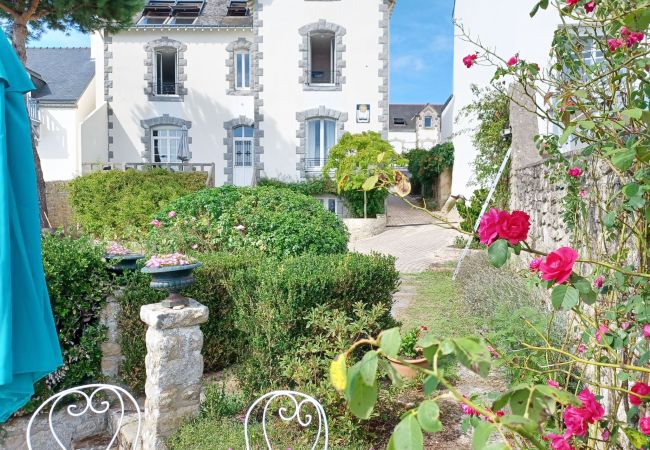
(408, 112)
(67, 72)
(213, 14)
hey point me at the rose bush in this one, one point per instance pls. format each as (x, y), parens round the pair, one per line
(597, 396)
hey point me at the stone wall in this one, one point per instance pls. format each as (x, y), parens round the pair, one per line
(365, 228)
(58, 204)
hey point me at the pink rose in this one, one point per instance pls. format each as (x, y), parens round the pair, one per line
(468, 410)
(582, 194)
(625, 326)
(488, 229)
(581, 348)
(591, 409)
(574, 172)
(644, 425)
(646, 331)
(598, 282)
(571, 2)
(558, 265)
(575, 422)
(512, 61)
(553, 383)
(590, 6)
(601, 332)
(534, 264)
(171, 214)
(469, 60)
(639, 388)
(514, 227)
(156, 223)
(605, 435)
(614, 44)
(558, 442)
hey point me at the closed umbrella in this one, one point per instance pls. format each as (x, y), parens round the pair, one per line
(183, 147)
(29, 347)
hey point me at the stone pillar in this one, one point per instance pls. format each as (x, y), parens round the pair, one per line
(111, 349)
(174, 369)
(525, 126)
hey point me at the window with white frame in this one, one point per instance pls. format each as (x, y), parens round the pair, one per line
(322, 58)
(428, 122)
(165, 142)
(166, 71)
(243, 146)
(321, 137)
(242, 70)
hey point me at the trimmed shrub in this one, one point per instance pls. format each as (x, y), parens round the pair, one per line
(316, 186)
(277, 222)
(78, 282)
(119, 205)
(273, 301)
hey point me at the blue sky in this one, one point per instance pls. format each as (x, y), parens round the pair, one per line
(421, 50)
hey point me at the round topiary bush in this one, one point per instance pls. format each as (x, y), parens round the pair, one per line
(275, 221)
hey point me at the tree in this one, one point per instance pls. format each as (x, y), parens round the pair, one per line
(364, 162)
(25, 16)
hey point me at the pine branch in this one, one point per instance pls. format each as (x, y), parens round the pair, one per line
(8, 9)
(27, 15)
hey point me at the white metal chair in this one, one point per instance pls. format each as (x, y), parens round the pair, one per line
(88, 395)
(300, 402)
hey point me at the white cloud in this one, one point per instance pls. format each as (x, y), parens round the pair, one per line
(408, 61)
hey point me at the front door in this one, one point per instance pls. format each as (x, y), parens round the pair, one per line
(243, 156)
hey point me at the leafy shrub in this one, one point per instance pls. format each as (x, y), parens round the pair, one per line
(425, 165)
(118, 205)
(274, 299)
(78, 282)
(316, 186)
(470, 210)
(277, 222)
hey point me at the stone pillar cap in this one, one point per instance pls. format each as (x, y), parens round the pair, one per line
(161, 318)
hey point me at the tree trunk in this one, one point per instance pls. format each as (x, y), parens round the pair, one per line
(19, 40)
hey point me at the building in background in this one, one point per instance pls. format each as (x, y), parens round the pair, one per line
(416, 125)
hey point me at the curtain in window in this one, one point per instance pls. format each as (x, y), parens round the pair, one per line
(313, 143)
(330, 137)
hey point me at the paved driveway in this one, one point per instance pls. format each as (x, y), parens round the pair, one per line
(416, 247)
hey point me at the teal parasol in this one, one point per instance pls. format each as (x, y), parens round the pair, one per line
(29, 347)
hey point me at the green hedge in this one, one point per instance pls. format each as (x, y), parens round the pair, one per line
(278, 222)
(119, 205)
(78, 283)
(425, 166)
(317, 186)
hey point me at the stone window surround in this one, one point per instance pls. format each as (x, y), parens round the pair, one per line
(228, 142)
(165, 120)
(232, 48)
(339, 62)
(150, 61)
(321, 112)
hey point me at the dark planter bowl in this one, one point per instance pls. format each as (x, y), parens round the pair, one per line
(172, 279)
(122, 263)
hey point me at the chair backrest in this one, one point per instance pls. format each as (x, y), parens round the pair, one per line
(87, 401)
(296, 412)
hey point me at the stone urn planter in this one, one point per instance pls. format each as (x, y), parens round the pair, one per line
(405, 371)
(172, 279)
(122, 263)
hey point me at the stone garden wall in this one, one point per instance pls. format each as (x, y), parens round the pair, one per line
(58, 205)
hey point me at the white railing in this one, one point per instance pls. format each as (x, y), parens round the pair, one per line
(208, 168)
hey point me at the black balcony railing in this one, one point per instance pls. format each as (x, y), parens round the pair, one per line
(323, 78)
(165, 88)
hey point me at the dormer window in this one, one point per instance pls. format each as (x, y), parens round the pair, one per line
(153, 19)
(400, 122)
(428, 122)
(238, 8)
(171, 12)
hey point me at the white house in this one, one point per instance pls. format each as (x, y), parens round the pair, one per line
(416, 125)
(261, 88)
(497, 31)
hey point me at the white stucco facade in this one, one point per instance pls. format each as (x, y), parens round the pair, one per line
(416, 126)
(509, 32)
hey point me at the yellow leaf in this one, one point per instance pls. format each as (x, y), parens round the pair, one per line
(339, 373)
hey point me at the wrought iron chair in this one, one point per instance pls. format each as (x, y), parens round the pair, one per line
(288, 414)
(88, 395)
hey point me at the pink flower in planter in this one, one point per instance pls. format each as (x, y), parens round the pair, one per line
(469, 60)
(590, 6)
(575, 172)
(598, 282)
(171, 214)
(512, 61)
(534, 264)
(558, 265)
(156, 223)
(553, 383)
(639, 388)
(644, 425)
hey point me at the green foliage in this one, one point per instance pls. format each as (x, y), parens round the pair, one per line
(274, 299)
(491, 109)
(470, 210)
(278, 222)
(77, 282)
(426, 165)
(375, 202)
(119, 205)
(315, 186)
(409, 341)
(218, 403)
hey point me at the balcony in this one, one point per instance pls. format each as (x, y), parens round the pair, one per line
(322, 78)
(33, 110)
(166, 89)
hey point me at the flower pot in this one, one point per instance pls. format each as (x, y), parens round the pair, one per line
(407, 372)
(121, 263)
(172, 279)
